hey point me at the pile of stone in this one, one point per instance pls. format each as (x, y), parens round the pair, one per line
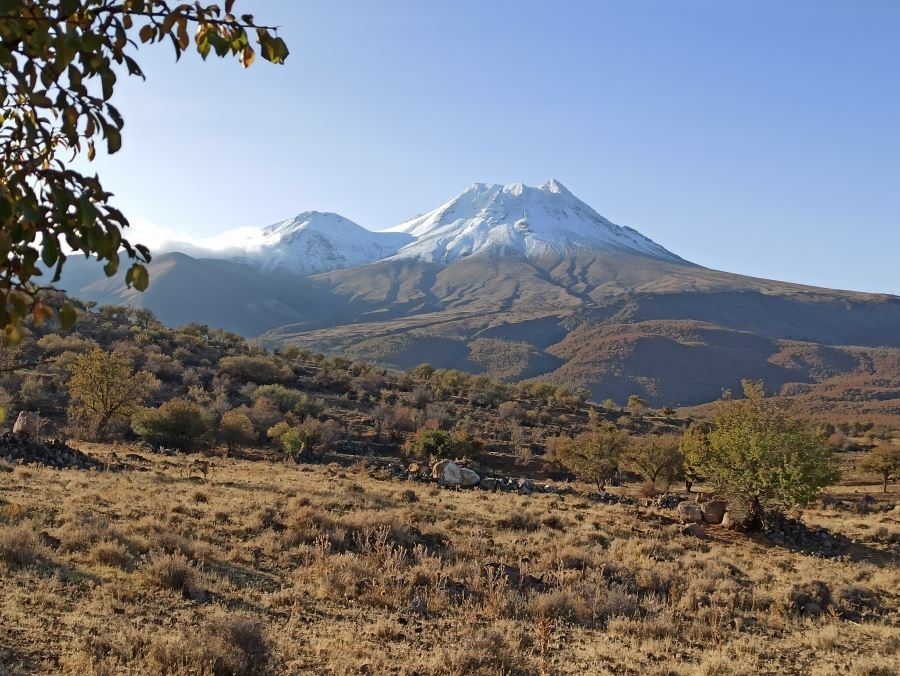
(667, 501)
(794, 534)
(694, 514)
(452, 474)
(611, 498)
(17, 449)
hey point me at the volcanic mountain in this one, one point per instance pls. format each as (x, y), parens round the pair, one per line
(521, 282)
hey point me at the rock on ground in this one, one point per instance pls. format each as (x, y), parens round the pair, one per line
(28, 424)
(694, 530)
(689, 512)
(448, 473)
(713, 511)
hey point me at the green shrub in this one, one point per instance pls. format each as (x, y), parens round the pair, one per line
(287, 399)
(236, 430)
(259, 369)
(440, 443)
(312, 437)
(177, 423)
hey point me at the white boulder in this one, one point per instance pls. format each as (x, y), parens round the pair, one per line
(448, 473)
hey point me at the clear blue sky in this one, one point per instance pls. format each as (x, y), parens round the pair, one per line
(756, 137)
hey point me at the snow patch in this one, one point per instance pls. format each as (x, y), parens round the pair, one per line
(519, 220)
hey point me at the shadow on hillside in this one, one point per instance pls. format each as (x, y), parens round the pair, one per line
(795, 536)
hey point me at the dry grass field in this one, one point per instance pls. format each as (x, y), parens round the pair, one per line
(176, 565)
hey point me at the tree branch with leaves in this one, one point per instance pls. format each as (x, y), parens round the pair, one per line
(60, 61)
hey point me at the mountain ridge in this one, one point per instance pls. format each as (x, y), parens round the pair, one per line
(534, 280)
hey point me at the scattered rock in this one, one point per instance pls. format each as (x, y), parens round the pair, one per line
(694, 530)
(689, 512)
(713, 511)
(448, 473)
(488, 483)
(794, 534)
(53, 453)
(668, 501)
(28, 424)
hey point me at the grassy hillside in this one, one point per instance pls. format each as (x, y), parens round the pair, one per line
(166, 566)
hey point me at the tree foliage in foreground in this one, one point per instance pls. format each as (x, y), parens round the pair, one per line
(60, 61)
(762, 454)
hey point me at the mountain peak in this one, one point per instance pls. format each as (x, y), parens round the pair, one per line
(555, 187)
(316, 220)
(321, 241)
(519, 220)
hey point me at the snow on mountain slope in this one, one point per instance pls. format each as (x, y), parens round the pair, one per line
(519, 220)
(314, 242)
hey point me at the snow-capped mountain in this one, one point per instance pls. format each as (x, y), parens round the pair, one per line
(314, 242)
(518, 220)
(512, 220)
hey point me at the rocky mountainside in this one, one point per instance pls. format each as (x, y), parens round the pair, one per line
(524, 282)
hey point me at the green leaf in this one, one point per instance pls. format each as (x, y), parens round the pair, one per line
(138, 277)
(67, 317)
(113, 140)
(49, 252)
(108, 80)
(112, 267)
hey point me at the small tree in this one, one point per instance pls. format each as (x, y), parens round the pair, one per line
(422, 372)
(104, 387)
(277, 431)
(236, 430)
(656, 458)
(593, 455)
(298, 441)
(759, 452)
(308, 438)
(178, 423)
(885, 461)
(637, 406)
